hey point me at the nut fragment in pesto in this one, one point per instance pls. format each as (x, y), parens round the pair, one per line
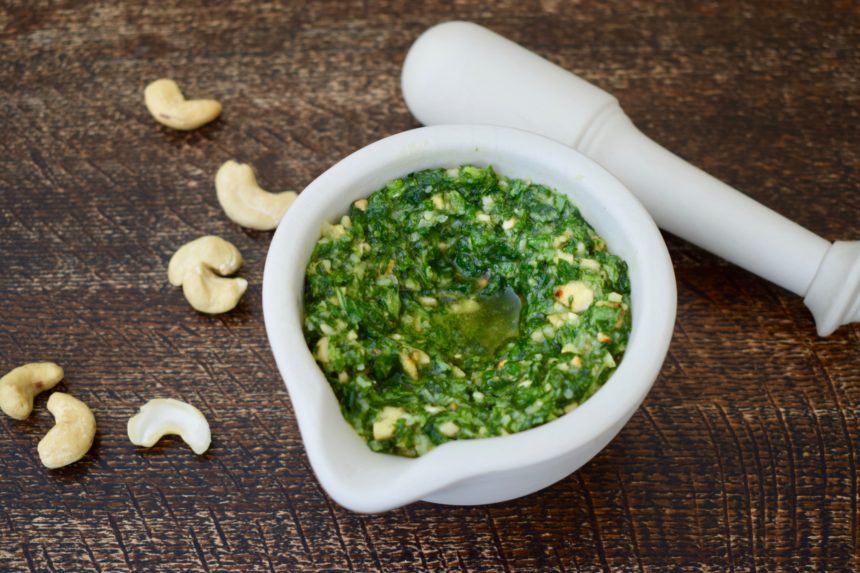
(457, 304)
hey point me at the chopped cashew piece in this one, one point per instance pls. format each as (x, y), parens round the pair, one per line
(421, 357)
(20, 386)
(563, 256)
(322, 353)
(384, 428)
(590, 264)
(449, 429)
(169, 107)
(409, 365)
(194, 267)
(410, 360)
(72, 434)
(335, 231)
(561, 318)
(162, 416)
(575, 294)
(245, 202)
(465, 306)
(562, 239)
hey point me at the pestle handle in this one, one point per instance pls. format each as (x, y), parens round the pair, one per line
(459, 72)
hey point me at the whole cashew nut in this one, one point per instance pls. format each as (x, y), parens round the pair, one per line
(73, 432)
(162, 416)
(245, 202)
(169, 107)
(194, 267)
(20, 386)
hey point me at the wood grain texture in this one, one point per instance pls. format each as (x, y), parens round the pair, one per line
(744, 456)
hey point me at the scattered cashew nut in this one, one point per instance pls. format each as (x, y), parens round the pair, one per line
(73, 432)
(245, 202)
(194, 267)
(169, 107)
(20, 386)
(162, 416)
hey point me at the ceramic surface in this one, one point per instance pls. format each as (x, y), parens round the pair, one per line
(468, 471)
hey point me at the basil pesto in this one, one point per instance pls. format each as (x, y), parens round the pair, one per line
(457, 304)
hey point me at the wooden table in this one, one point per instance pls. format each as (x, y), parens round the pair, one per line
(743, 457)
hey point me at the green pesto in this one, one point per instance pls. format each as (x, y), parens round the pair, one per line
(457, 304)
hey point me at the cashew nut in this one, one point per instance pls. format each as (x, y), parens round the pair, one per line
(73, 432)
(245, 202)
(169, 107)
(20, 386)
(163, 416)
(194, 267)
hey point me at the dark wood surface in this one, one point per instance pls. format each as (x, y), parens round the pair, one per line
(744, 456)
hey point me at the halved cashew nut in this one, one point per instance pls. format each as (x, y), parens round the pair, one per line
(575, 294)
(162, 416)
(169, 107)
(245, 202)
(20, 386)
(72, 434)
(194, 267)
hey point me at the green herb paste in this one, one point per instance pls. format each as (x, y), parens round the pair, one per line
(457, 304)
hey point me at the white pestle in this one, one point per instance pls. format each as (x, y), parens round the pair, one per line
(459, 72)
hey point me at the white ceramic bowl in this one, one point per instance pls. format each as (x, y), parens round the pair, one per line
(488, 470)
